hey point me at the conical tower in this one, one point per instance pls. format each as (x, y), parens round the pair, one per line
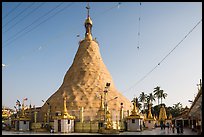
(162, 114)
(85, 82)
(150, 113)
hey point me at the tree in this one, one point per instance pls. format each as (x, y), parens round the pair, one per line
(163, 95)
(139, 106)
(143, 98)
(157, 93)
(150, 98)
(176, 109)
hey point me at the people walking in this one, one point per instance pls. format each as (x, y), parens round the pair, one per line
(168, 126)
(178, 129)
(173, 128)
(192, 127)
(181, 127)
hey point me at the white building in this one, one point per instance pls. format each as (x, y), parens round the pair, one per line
(134, 121)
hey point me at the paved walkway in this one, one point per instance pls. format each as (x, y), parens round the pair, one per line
(156, 131)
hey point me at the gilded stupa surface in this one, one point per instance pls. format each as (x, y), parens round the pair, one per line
(162, 114)
(84, 83)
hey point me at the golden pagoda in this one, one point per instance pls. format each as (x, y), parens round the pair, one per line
(162, 114)
(135, 110)
(109, 120)
(135, 120)
(65, 114)
(64, 122)
(149, 116)
(84, 80)
(150, 120)
(22, 121)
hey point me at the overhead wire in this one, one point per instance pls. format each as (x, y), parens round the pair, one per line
(12, 10)
(138, 41)
(19, 14)
(43, 21)
(16, 34)
(111, 8)
(43, 45)
(125, 91)
(29, 13)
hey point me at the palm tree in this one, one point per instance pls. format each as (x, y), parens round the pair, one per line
(163, 95)
(150, 98)
(176, 109)
(139, 106)
(143, 98)
(157, 93)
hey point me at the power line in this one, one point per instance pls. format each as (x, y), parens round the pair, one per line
(43, 45)
(33, 22)
(42, 22)
(163, 58)
(138, 42)
(109, 9)
(24, 17)
(12, 10)
(18, 14)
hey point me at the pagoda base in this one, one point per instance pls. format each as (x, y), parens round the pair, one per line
(108, 131)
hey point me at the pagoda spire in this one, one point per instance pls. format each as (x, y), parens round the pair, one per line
(64, 104)
(87, 7)
(88, 25)
(150, 113)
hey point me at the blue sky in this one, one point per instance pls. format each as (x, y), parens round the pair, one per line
(37, 61)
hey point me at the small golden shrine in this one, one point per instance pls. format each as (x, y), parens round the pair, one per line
(135, 120)
(149, 116)
(22, 121)
(162, 114)
(109, 120)
(65, 114)
(150, 120)
(134, 112)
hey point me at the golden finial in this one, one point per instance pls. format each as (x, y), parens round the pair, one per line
(88, 25)
(65, 105)
(87, 7)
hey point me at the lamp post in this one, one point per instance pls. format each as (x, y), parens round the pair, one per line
(106, 103)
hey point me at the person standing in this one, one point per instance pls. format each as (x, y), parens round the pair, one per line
(173, 128)
(181, 127)
(170, 126)
(177, 128)
(192, 127)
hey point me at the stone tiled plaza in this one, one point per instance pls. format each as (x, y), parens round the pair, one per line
(156, 131)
